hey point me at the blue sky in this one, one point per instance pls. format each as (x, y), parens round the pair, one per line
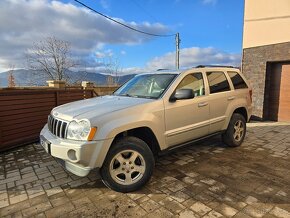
(201, 23)
(210, 30)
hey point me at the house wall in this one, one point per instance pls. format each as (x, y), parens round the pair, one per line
(254, 67)
(266, 38)
(266, 22)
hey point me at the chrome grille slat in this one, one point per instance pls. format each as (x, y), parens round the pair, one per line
(50, 122)
(53, 126)
(57, 127)
(60, 130)
(65, 132)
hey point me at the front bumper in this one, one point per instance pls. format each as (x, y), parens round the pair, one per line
(79, 157)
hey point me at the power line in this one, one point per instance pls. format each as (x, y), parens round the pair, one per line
(139, 31)
(125, 25)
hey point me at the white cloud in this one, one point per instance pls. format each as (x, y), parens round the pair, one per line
(23, 22)
(123, 52)
(134, 70)
(189, 57)
(209, 2)
(104, 54)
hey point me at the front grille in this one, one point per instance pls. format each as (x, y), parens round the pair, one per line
(57, 127)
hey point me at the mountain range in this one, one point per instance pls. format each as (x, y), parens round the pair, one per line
(24, 77)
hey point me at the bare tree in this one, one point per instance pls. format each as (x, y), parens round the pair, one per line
(51, 57)
(113, 69)
(11, 79)
(80, 75)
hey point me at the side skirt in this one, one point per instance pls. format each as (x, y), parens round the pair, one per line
(186, 144)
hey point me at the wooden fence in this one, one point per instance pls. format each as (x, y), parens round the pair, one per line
(23, 113)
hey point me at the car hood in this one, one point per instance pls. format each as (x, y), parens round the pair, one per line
(99, 106)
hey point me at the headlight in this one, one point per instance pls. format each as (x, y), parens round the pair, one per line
(79, 130)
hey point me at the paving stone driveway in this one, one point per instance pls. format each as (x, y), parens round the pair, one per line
(203, 180)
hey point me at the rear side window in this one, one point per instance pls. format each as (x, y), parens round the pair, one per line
(217, 82)
(237, 80)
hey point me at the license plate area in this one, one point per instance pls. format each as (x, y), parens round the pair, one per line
(45, 144)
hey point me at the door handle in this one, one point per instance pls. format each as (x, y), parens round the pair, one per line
(202, 104)
(231, 98)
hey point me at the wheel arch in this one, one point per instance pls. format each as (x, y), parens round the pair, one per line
(242, 111)
(144, 133)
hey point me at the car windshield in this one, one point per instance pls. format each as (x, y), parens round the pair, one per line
(146, 86)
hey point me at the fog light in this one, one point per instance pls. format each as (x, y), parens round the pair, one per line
(72, 154)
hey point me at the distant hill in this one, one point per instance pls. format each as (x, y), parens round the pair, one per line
(30, 78)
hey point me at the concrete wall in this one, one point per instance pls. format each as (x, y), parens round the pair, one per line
(266, 22)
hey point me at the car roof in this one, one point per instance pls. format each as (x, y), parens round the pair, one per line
(194, 69)
(216, 68)
(164, 71)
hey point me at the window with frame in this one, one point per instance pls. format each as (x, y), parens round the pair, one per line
(237, 80)
(217, 82)
(193, 81)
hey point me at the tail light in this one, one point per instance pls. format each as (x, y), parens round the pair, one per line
(251, 95)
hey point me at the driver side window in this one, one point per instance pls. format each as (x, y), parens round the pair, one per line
(193, 81)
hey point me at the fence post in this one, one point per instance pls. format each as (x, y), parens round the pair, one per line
(56, 98)
(86, 86)
(1, 140)
(0, 135)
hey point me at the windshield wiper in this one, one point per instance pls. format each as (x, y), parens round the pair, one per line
(145, 96)
(137, 96)
(127, 95)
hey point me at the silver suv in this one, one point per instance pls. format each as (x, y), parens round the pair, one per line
(122, 134)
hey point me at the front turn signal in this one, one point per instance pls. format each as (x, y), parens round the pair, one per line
(92, 133)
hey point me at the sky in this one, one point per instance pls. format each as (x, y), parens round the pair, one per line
(210, 32)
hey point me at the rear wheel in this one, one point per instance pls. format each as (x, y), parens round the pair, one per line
(236, 131)
(128, 166)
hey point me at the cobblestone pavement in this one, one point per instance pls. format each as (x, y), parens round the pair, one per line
(203, 180)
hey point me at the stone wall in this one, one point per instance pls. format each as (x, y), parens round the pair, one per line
(254, 67)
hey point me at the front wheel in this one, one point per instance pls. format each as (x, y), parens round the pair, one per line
(128, 166)
(236, 131)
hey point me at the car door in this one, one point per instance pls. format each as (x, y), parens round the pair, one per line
(187, 119)
(219, 98)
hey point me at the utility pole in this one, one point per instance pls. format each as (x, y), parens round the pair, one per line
(177, 41)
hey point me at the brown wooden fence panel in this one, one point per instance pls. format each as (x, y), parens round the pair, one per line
(23, 113)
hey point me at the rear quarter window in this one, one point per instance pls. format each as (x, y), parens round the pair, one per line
(237, 80)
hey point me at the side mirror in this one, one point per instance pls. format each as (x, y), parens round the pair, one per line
(180, 94)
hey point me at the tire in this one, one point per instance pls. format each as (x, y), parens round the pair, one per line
(231, 137)
(128, 165)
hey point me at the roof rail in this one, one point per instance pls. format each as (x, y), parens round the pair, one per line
(203, 66)
(163, 69)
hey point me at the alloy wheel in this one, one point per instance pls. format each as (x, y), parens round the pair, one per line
(127, 167)
(239, 130)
